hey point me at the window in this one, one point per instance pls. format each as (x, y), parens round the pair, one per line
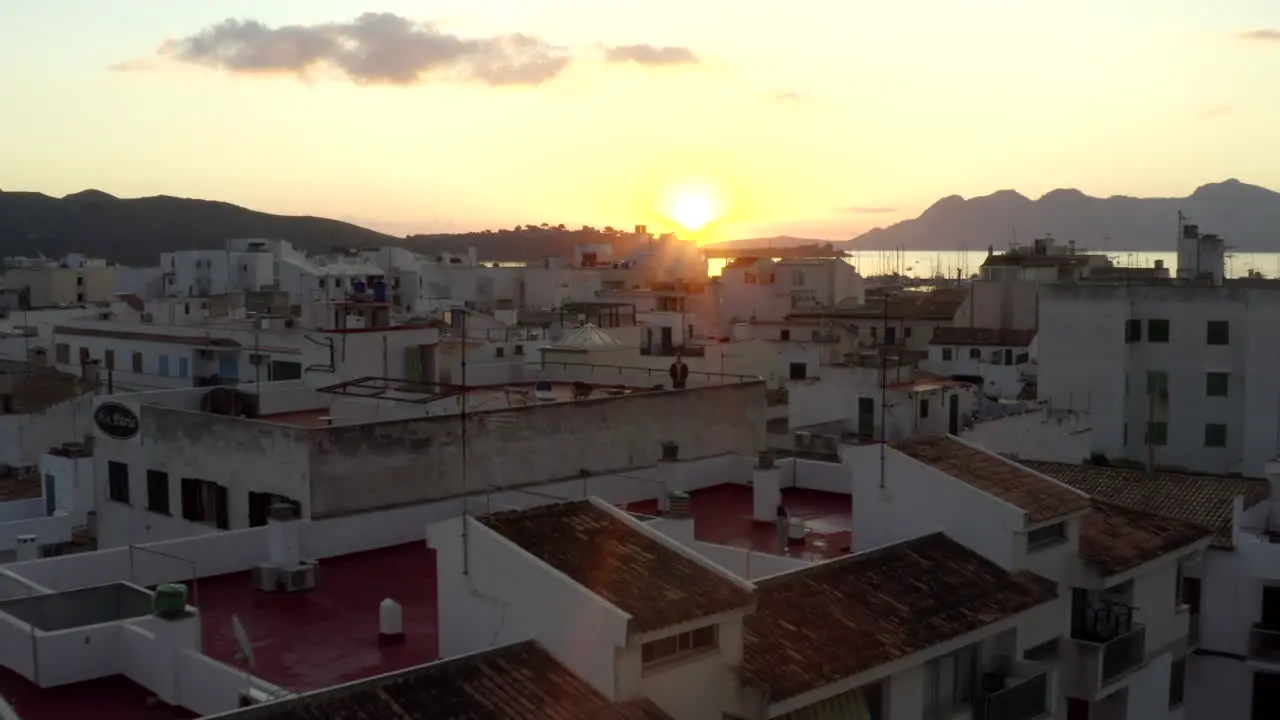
(1047, 536)
(499, 351)
(785, 335)
(1133, 331)
(109, 359)
(924, 408)
(519, 350)
(321, 281)
(797, 278)
(946, 353)
(873, 332)
(118, 481)
(204, 502)
(951, 682)
(260, 504)
(799, 371)
(906, 333)
(158, 492)
(1215, 435)
(137, 362)
(84, 355)
(1045, 652)
(1157, 382)
(675, 646)
(1215, 384)
(975, 354)
(1157, 433)
(1218, 332)
(1177, 682)
(186, 308)
(62, 354)
(1158, 331)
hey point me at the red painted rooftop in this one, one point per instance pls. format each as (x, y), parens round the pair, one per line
(111, 698)
(329, 635)
(722, 515)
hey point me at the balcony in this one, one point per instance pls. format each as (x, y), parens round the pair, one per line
(1020, 695)
(1264, 644)
(1108, 645)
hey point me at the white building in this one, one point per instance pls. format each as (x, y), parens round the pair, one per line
(1000, 359)
(905, 319)
(1173, 375)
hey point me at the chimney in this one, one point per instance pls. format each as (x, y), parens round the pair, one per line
(390, 622)
(671, 472)
(90, 372)
(283, 536)
(27, 548)
(766, 489)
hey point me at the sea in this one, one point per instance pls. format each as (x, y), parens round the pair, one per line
(965, 263)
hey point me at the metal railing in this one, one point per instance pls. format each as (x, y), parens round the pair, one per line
(603, 373)
(1264, 643)
(1123, 653)
(1026, 699)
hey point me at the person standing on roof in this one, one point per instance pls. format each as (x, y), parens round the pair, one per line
(679, 373)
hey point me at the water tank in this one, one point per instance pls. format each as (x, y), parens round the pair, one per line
(380, 290)
(170, 601)
(358, 287)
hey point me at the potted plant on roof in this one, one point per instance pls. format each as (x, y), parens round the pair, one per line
(670, 450)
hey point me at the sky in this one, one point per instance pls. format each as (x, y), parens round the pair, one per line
(817, 118)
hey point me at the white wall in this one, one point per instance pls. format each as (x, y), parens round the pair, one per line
(492, 593)
(15, 510)
(24, 438)
(1035, 435)
(917, 500)
(48, 530)
(815, 475)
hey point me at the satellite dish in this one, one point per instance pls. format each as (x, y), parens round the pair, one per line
(242, 640)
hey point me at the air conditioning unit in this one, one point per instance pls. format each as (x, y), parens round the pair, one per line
(802, 440)
(296, 579)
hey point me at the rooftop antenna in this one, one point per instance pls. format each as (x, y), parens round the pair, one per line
(466, 550)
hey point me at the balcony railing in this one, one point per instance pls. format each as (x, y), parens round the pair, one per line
(1124, 653)
(1110, 644)
(1021, 698)
(1264, 643)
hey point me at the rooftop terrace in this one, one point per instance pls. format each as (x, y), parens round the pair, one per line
(110, 698)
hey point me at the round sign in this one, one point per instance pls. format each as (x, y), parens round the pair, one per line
(116, 420)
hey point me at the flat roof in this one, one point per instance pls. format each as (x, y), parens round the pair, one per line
(24, 486)
(723, 515)
(110, 698)
(610, 556)
(1039, 497)
(1205, 500)
(216, 343)
(828, 622)
(329, 635)
(1114, 539)
(1004, 337)
(513, 681)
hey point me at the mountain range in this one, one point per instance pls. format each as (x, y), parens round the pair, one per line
(1247, 216)
(136, 231)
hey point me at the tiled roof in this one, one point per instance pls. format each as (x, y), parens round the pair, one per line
(521, 681)
(20, 487)
(37, 388)
(657, 586)
(1040, 498)
(1114, 538)
(1205, 500)
(196, 340)
(945, 335)
(834, 620)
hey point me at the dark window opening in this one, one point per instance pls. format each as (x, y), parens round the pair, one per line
(118, 481)
(799, 371)
(158, 492)
(1218, 332)
(1158, 331)
(1215, 435)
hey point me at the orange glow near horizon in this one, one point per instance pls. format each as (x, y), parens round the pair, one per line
(694, 206)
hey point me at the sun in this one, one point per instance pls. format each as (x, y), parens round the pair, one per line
(694, 206)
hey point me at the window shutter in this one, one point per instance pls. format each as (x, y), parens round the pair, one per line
(190, 498)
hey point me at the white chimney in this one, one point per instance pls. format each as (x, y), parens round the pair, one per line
(283, 536)
(766, 489)
(390, 622)
(27, 548)
(671, 473)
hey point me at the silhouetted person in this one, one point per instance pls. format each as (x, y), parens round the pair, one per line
(679, 374)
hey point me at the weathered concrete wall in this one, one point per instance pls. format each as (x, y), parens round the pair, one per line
(241, 455)
(378, 465)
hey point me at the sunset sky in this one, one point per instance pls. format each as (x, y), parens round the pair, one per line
(818, 117)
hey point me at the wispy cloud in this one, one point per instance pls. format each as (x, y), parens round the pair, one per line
(651, 55)
(868, 210)
(1213, 111)
(375, 48)
(1265, 34)
(786, 96)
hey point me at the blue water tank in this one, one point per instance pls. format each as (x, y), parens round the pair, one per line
(358, 287)
(379, 290)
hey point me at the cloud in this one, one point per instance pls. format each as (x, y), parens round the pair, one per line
(1266, 35)
(787, 96)
(138, 65)
(1214, 111)
(651, 55)
(868, 210)
(375, 49)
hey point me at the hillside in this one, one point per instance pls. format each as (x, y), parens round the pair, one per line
(1248, 216)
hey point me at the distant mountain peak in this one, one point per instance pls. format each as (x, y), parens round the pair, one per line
(1063, 194)
(90, 194)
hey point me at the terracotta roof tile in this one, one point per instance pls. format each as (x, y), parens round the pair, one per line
(656, 585)
(1205, 500)
(20, 487)
(1114, 538)
(945, 335)
(37, 388)
(1039, 497)
(196, 340)
(832, 621)
(521, 681)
